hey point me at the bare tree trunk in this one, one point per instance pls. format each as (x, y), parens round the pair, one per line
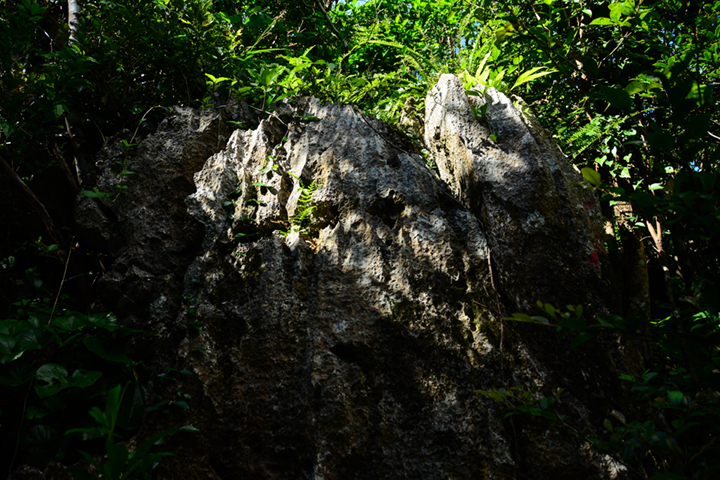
(73, 12)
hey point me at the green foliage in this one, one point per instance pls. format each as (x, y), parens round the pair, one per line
(634, 97)
(95, 193)
(53, 365)
(681, 388)
(147, 52)
(121, 464)
(628, 88)
(32, 71)
(484, 76)
(304, 210)
(521, 400)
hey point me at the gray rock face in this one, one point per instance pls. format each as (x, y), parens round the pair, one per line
(144, 225)
(339, 307)
(545, 234)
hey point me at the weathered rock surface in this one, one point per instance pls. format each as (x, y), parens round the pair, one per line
(339, 310)
(144, 225)
(545, 234)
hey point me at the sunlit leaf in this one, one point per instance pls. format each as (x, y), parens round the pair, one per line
(591, 176)
(531, 75)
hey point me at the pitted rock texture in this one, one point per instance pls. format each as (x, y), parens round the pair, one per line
(365, 327)
(341, 310)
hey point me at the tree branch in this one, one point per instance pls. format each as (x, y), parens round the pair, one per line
(335, 31)
(34, 202)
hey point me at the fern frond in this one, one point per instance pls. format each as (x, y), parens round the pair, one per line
(304, 208)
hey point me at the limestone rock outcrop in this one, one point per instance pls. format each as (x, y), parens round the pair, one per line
(545, 233)
(339, 304)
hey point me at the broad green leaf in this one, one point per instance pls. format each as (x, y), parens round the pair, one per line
(591, 176)
(95, 345)
(636, 86)
(101, 419)
(135, 468)
(214, 80)
(661, 140)
(702, 93)
(141, 461)
(505, 32)
(70, 323)
(542, 320)
(617, 97)
(520, 317)
(11, 326)
(618, 9)
(619, 415)
(108, 321)
(649, 376)
(84, 378)
(580, 339)
(117, 456)
(56, 377)
(51, 372)
(590, 66)
(492, 394)
(112, 405)
(604, 322)
(613, 321)
(547, 402)
(17, 372)
(675, 397)
(132, 406)
(95, 193)
(608, 425)
(481, 67)
(602, 21)
(10, 349)
(697, 126)
(35, 412)
(531, 75)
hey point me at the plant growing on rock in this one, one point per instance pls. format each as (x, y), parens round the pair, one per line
(304, 209)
